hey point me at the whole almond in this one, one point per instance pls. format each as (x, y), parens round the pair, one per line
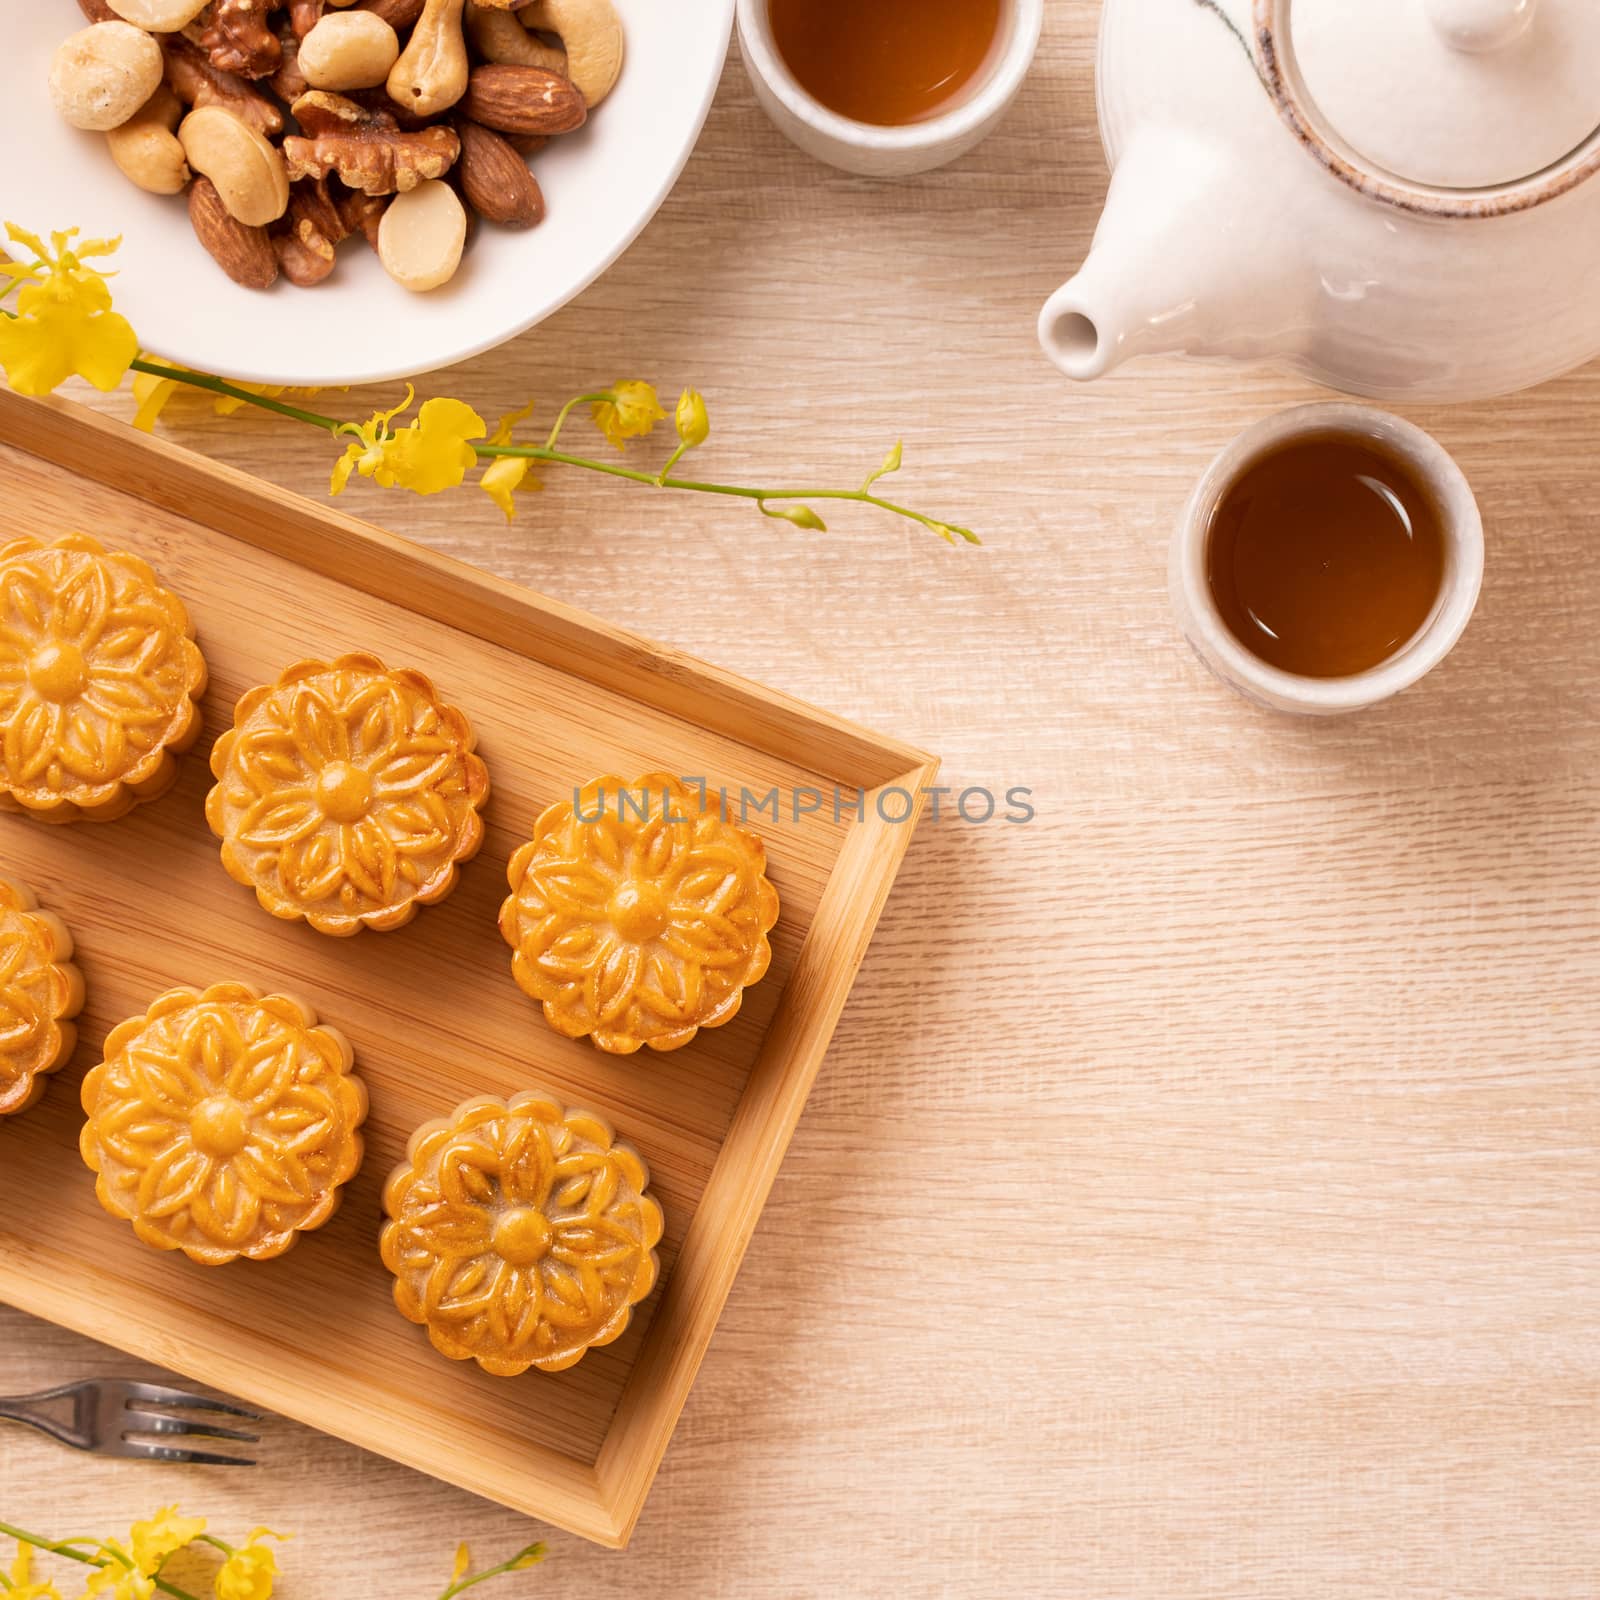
(496, 180)
(523, 100)
(243, 252)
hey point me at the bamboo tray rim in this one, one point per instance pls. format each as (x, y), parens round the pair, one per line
(601, 1502)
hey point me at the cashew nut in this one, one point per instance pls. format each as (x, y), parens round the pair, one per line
(103, 74)
(349, 50)
(158, 16)
(147, 148)
(248, 172)
(432, 73)
(499, 38)
(422, 235)
(591, 33)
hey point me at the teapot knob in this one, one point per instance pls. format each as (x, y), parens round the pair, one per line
(1479, 25)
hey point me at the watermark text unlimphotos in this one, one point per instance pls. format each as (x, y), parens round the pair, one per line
(893, 804)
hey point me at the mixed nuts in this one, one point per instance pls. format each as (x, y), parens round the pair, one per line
(297, 124)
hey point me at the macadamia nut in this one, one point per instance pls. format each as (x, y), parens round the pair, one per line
(158, 16)
(103, 74)
(349, 50)
(422, 235)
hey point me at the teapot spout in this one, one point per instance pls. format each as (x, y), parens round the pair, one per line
(1186, 261)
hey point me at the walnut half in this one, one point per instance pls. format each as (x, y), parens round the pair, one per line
(320, 219)
(237, 38)
(366, 149)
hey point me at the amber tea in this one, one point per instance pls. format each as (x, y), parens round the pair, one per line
(1326, 556)
(888, 62)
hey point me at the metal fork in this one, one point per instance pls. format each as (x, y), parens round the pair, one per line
(109, 1415)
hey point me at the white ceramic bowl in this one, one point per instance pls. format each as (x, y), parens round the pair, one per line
(601, 185)
(884, 152)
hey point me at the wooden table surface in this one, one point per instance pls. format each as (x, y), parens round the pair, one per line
(1202, 1194)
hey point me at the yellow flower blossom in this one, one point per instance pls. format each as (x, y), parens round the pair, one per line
(426, 456)
(64, 325)
(152, 394)
(463, 1560)
(118, 1580)
(247, 1574)
(631, 411)
(23, 1585)
(506, 474)
(693, 421)
(150, 1543)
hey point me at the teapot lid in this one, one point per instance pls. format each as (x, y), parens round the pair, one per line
(1448, 107)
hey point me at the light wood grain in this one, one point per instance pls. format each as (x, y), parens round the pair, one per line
(1199, 1200)
(555, 699)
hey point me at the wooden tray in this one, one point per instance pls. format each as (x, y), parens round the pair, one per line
(556, 697)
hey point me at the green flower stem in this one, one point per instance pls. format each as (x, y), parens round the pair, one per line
(518, 1563)
(202, 380)
(549, 454)
(89, 1561)
(567, 410)
(652, 480)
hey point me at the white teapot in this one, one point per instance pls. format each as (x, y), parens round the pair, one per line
(1390, 196)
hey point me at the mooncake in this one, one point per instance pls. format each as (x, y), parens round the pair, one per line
(520, 1234)
(40, 992)
(347, 795)
(223, 1123)
(638, 914)
(99, 679)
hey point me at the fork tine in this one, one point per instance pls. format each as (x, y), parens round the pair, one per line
(139, 1421)
(166, 1452)
(160, 1395)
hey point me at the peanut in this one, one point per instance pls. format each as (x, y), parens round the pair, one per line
(422, 235)
(146, 147)
(349, 50)
(103, 74)
(248, 172)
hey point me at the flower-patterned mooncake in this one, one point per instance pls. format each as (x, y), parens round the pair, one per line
(520, 1234)
(99, 679)
(223, 1123)
(40, 992)
(638, 915)
(347, 795)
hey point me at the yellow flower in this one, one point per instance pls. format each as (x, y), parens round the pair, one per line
(506, 474)
(64, 325)
(463, 1560)
(426, 456)
(119, 1581)
(22, 1583)
(167, 1531)
(152, 394)
(247, 1574)
(694, 424)
(630, 412)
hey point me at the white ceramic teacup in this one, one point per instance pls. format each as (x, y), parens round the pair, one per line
(889, 152)
(1221, 650)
